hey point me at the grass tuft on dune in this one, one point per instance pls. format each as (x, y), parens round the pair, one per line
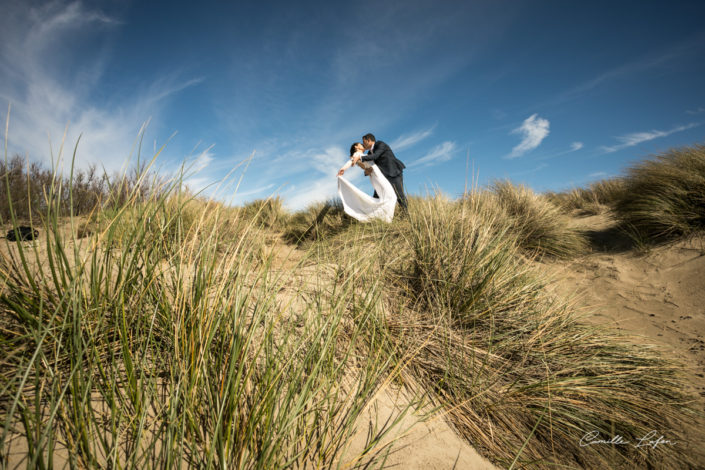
(540, 227)
(664, 196)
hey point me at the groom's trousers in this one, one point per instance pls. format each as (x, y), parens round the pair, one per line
(397, 183)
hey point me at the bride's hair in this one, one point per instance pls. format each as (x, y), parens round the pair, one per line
(353, 149)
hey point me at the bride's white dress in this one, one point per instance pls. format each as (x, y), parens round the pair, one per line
(364, 207)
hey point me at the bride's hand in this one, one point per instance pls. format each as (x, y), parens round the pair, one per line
(340, 173)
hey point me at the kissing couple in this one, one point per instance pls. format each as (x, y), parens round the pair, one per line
(386, 175)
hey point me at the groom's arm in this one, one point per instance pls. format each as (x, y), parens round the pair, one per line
(380, 148)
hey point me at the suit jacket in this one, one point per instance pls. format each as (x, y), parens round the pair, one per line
(384, 158)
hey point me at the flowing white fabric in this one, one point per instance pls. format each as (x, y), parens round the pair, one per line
(364, 207)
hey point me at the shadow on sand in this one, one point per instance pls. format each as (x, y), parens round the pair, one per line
(613, 239)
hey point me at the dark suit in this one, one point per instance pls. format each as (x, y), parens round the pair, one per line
(391, 168)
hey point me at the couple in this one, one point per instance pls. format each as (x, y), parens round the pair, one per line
(385, 172)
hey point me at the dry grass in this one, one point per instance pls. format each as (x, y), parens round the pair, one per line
(166, 337)
(597, 198)
(664, 196)
(540, 227)
(317, 222)
(162, 339)
(267, 213)
(512, 366)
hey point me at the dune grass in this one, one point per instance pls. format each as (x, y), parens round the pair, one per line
(268, 213)
(168, 336)
(597, 198)
(513, 367)
(540, 227)
(164, 339)
(317, 222)
(517, 372)
(664, 196)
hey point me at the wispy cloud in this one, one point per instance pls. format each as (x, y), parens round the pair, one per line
(574, 147)
(440, 153)
(322, 184)
(409, 140)
(636, 138)
(252, 192)
(696, 110)
(50, 86)
(530, 171)
(533, 130)
(498, 114)
(201, 162)
(656, 59)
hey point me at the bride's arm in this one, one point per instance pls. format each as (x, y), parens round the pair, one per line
(349, 163)
(345, 167)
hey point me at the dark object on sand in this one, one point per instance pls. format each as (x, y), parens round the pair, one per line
(22, 233)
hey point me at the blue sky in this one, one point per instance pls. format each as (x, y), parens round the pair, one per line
(550, 94)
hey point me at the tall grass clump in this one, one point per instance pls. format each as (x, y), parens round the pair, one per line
(162, 341)
(515, 370)
(268, 213)
(540, 227)
(597, 198)
(317, 222)
(664, 197)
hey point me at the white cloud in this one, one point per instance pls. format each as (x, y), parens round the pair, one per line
(574, 147)
(409, 140)
(530, 171)
(636, 138)
(323, 185)
(438, 154)
(329, 161)
(201, 162)
(696, 111)
(197, 185)
(252, 192)
(533, 130)
(319, 190)
(50, 88)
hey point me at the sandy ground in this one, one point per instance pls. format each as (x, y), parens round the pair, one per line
(658, 294)
(420, 440)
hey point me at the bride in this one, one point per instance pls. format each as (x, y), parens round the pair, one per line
(359, 205)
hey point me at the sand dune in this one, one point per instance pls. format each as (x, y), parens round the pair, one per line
(658, 295)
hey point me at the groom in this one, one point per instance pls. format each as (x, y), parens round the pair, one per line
(388, 164)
